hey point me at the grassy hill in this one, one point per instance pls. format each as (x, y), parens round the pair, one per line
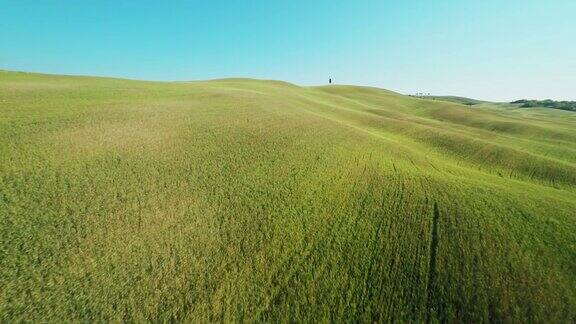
(552, 104)
(460, 100)
(245, 200)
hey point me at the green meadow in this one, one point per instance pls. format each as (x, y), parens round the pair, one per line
(260, 201)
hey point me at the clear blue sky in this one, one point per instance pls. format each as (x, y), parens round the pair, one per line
(492, 49)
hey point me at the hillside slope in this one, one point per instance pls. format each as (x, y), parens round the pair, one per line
(460, 100)
(245, 200)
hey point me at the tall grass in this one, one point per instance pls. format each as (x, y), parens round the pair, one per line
(242, 200)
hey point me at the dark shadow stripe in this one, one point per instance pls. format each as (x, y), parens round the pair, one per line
(432, 262)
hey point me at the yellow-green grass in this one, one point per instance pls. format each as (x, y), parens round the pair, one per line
(245, 200)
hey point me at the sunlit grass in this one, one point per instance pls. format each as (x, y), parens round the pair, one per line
(243, 200)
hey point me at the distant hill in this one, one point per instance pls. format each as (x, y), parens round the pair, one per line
(563, 105)
(454, 99)
(460, 100)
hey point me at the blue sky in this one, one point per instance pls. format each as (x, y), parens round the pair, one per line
(495, 50)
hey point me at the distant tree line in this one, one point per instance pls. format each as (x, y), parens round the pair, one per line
(564, 105)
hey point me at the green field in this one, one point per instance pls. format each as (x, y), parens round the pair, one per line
(460, 100)
(245, 200)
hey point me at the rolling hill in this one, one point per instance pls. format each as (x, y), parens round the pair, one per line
(460, 100)
(250, 200)
(552, 104)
